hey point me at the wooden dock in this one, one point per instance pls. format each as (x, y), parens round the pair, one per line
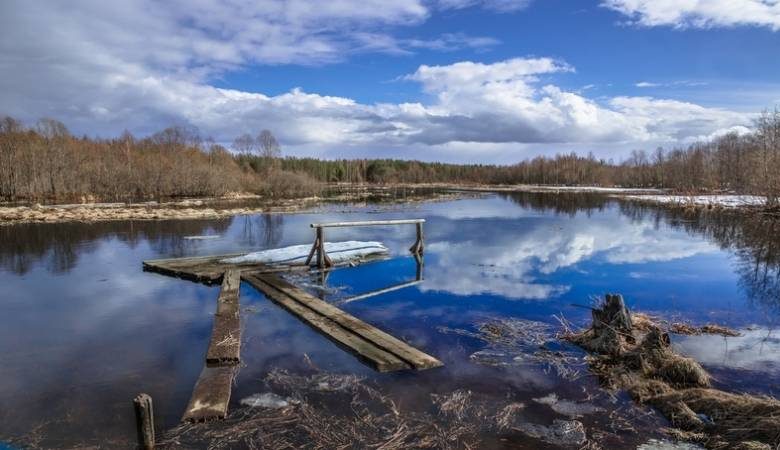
(225, 344)
(380, 350)
(211, 394)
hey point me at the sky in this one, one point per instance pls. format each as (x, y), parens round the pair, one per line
(477, 81)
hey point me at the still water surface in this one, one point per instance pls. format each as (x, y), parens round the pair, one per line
(83, 329)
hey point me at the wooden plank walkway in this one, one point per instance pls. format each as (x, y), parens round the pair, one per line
(209, 269)
(382, 351)
(211, 395)
(225, 344)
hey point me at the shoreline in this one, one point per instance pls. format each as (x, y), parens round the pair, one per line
(219, 207)
(197, 208)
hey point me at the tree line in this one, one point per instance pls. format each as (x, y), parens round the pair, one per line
(46, 162)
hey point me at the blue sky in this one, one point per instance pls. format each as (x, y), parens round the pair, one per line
(453, 80)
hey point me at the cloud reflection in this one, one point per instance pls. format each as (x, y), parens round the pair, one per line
(757, 349)
(515, 258)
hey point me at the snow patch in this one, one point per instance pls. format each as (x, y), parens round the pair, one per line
(726, 201)
(297, 254)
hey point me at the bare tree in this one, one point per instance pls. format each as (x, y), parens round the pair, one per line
(269, 146)
(244, 144)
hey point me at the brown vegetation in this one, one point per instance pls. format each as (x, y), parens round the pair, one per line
(644, 364)
(46, 162)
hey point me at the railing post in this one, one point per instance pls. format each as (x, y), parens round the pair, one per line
(417, 247)
(144, 418)
(320, 248)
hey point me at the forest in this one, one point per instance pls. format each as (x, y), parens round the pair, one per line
(46, 162)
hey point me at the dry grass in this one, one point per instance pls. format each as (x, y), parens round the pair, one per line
(338, 411)
(644, 364)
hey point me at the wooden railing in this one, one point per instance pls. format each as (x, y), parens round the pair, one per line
(319, 240)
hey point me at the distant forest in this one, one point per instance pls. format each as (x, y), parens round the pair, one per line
(46, 162)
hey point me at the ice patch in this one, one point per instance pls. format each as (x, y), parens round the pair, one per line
(561, 432)
(297, 254)
(202, 238)
(663, 444)
(266, 400)
(568, 407)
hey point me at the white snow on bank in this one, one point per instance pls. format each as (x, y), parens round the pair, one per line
(614, 190)
(296, 254)
(726, 201)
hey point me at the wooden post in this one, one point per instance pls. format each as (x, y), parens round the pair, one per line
(320, 248)
(144, 419)
(323, 261)
(313, 248)
(417, 247)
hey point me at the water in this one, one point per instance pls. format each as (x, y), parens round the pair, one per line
(83, 329)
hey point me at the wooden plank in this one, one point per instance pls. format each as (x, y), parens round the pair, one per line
(404, 351)
(202, 269)
(208, 269)
(410, 356)
(378, 358)
(225, 344)
(211, 396)
(365, 223)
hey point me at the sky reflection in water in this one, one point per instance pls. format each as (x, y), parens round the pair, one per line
(83, 329)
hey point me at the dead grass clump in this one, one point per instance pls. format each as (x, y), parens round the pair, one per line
(644, 364)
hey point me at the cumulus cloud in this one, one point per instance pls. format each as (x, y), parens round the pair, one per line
(699, 13)
(141, 65)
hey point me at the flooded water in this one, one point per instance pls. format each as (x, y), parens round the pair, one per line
(83, 329)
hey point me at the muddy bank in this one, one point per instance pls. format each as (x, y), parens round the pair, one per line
(638, 358)
(203, 208)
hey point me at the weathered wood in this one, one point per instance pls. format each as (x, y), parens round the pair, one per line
(211, 395)
(366, 340)
(225, 343)
(314, 248)
(367, 352)
(208, 269)
(144, 419)
(365, 223)
(417, 247)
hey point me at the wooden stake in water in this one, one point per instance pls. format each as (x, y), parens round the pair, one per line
(144, 419)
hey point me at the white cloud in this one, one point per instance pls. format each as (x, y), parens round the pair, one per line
(496, 5)
(646, 84)
(141, 65)
(699, 13)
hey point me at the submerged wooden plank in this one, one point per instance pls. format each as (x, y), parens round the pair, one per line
(211, 395)
(380, 349)
(415, 358)
(225, 343)
(378, 358)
